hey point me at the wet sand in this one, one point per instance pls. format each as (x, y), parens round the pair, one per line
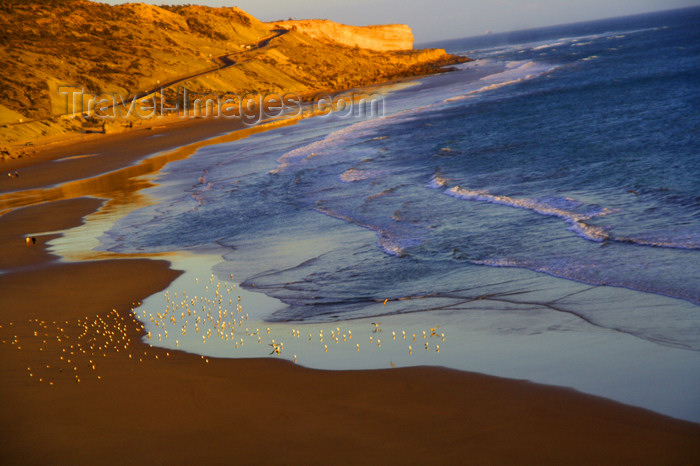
(118, 400)
(89, 155)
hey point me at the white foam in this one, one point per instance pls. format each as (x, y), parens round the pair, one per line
(336, 139)
(384, 240)
(577, 221)
(561, 41)
(353, 174)
(516, 72)
(671, 243)
(317, 147)
(547, 46)
(437, 181)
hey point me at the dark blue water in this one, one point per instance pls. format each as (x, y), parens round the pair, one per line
(570, 151)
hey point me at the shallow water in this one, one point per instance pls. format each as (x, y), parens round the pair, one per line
(525, 332)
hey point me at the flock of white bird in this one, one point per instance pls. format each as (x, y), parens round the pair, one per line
(217, 312)
(73, 349)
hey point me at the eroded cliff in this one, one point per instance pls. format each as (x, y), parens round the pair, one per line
(378, 38)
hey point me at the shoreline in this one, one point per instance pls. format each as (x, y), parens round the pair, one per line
(28, 149)
(278, 411)
(163, 133)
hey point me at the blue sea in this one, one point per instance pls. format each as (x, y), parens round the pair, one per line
(541, 202)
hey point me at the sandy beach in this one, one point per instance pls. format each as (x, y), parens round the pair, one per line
(80, 387)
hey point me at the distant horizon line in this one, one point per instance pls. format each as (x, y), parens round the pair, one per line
(573, 23)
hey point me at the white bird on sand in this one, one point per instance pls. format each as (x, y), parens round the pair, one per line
(276, 348)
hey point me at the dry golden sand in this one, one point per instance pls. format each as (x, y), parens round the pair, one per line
(119, 401)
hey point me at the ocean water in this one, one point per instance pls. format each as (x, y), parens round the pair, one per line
(542, 199)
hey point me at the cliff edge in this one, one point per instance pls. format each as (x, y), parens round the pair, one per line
(378, 38)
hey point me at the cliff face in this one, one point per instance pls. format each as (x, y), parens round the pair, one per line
(45, 44)
(378, 38)
(295, 62)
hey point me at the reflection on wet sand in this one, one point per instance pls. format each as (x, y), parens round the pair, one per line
(121, 191)
(122, 186)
